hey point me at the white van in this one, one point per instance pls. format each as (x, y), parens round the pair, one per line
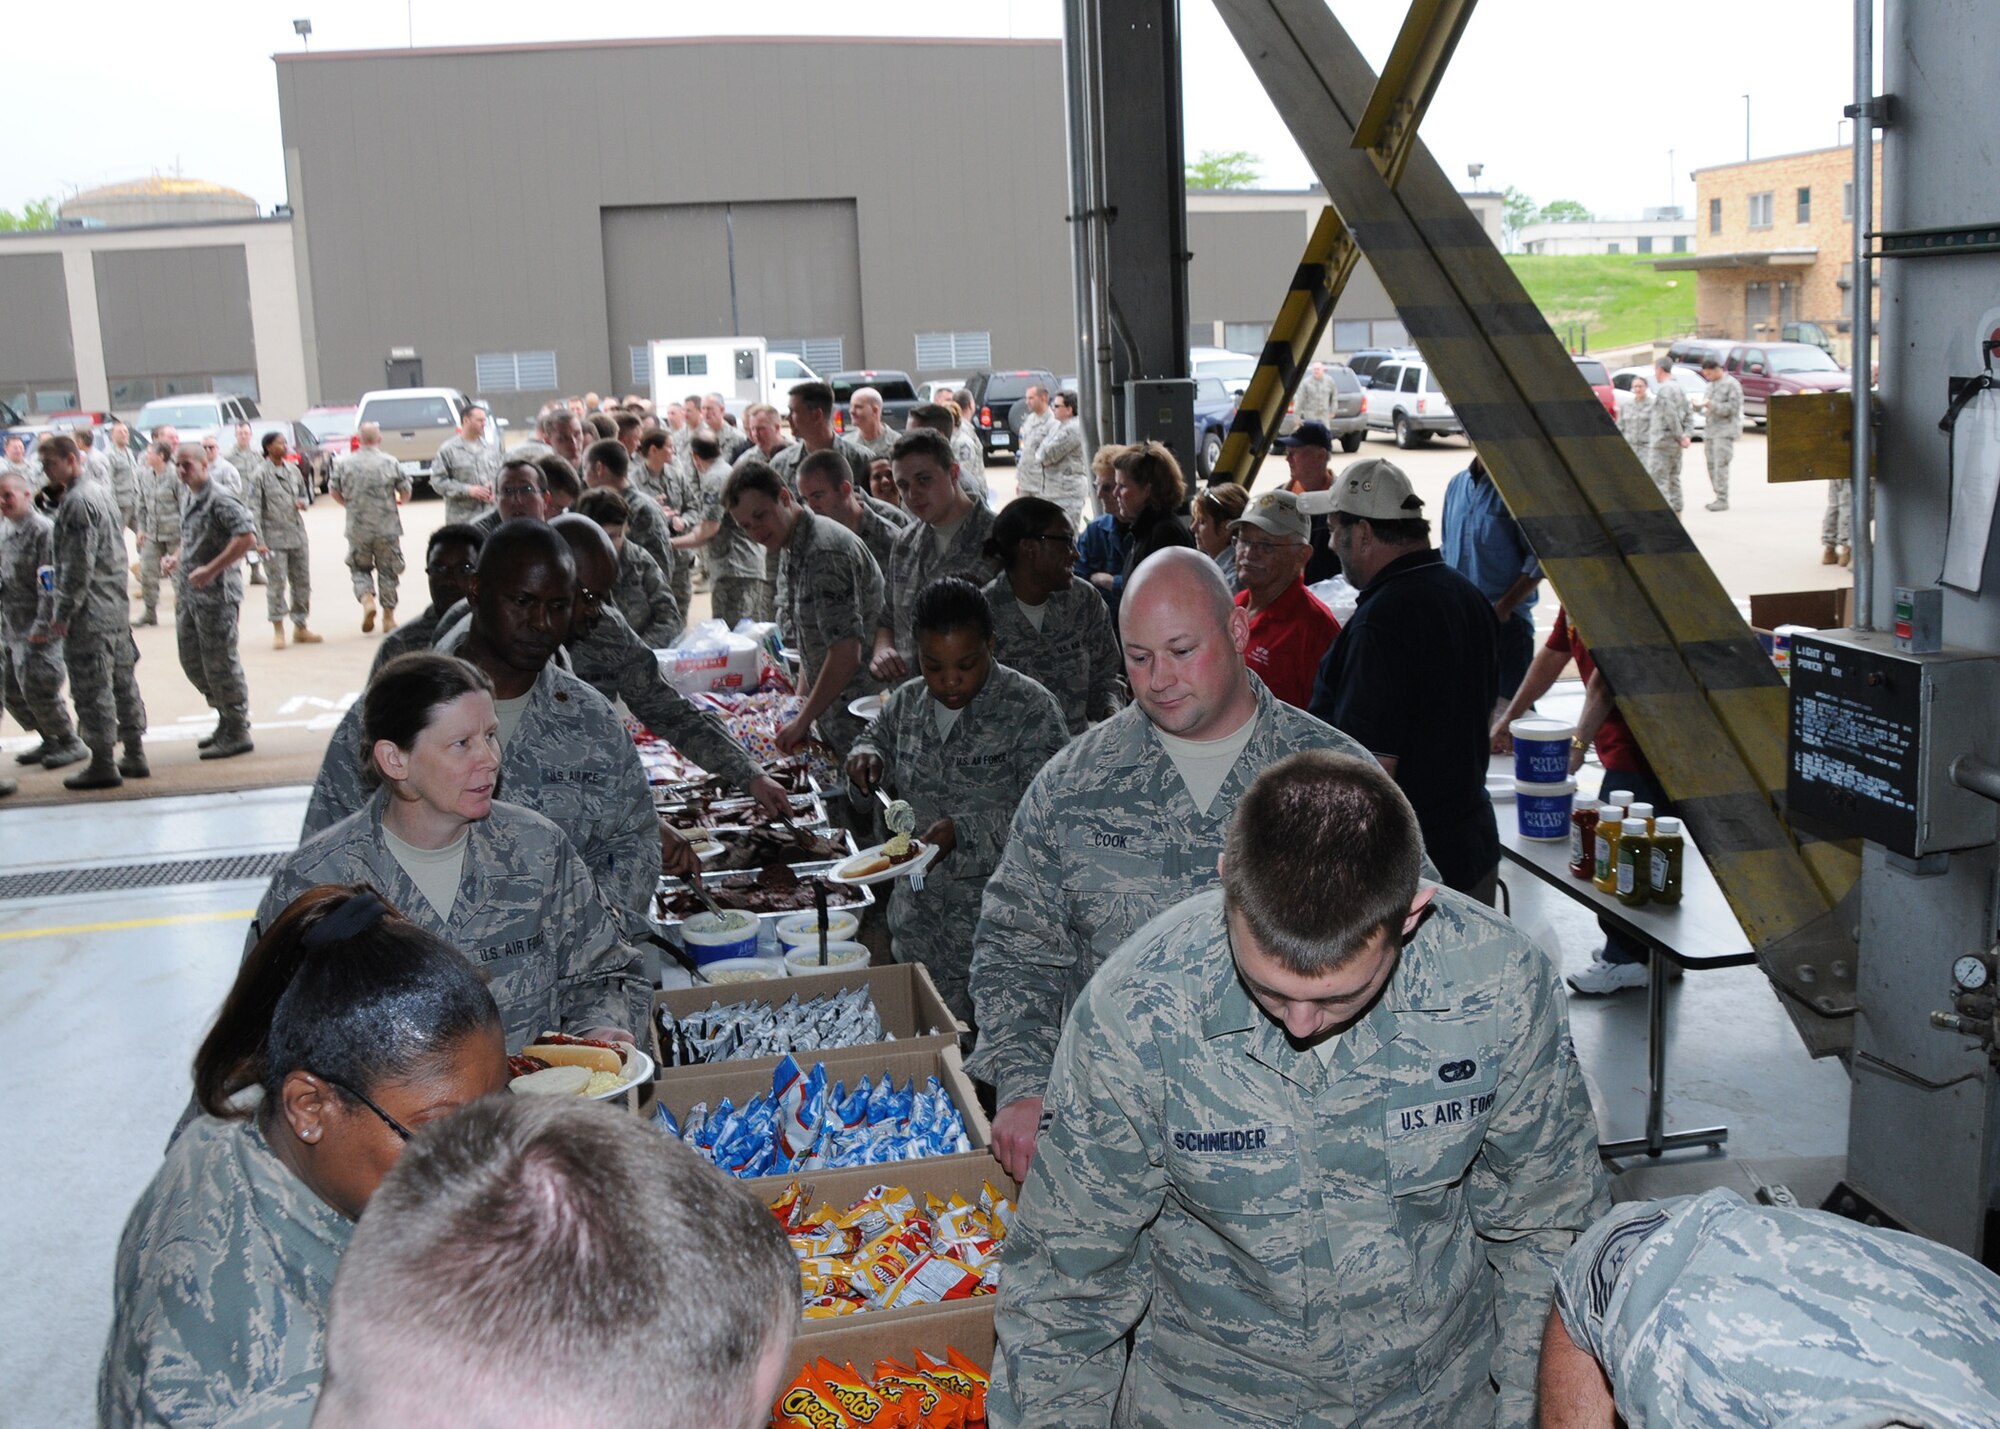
(742, 369)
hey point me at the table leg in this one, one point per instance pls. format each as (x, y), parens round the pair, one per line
(1657, 1139)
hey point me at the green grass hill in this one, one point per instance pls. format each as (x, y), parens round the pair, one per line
(1620, 297)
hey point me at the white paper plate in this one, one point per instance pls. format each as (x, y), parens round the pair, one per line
(638, 1068)
(922, 861)
(868, 707)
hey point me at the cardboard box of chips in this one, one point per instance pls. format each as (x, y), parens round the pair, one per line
(862, 1340)
(905, 998)
(741, 1084)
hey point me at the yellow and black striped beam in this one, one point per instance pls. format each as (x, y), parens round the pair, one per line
(1702, 699)
(1302, 317)
(1410, 76)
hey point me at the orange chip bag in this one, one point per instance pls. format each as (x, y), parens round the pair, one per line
(807, 1403)
(790, 1207)
(961, 1377)
(939, 1407)
(859, 1400)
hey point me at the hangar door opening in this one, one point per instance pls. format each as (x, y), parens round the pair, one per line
(790, 272)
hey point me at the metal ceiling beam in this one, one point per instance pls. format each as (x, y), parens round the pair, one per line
(1701, 697)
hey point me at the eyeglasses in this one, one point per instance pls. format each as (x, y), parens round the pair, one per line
(365, 1100)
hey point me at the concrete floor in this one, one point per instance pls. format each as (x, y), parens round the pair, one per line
(104, 999)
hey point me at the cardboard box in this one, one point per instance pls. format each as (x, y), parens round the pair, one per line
(861, 1340)
(742, 1084)
(1817, 609)
(904, 995)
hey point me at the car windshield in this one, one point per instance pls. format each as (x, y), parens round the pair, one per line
(1227, 368)
(1593, 373)
(1008, 386)
(1801, 359)
(891, 389)
(405, 413)
(177, 414)
(1210, 389)
(327, 425)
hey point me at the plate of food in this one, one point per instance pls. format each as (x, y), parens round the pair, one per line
(562, 1066)
(868, 707)
(899, 857)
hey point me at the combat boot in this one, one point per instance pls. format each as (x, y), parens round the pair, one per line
(62, 755)
(100, 774)
(303, 636)
(368, 613)
(388, 618)
(232, 737)
(151, 616)
(35, 755)
(134, 765)
(277, 635)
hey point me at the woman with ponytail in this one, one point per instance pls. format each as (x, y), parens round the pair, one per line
(348, 1028)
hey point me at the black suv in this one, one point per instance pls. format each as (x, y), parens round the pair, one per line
(899, 396)
(999, 406)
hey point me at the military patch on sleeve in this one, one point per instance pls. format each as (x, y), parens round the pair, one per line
(1611, 1258)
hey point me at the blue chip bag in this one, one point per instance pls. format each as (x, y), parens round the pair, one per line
(801, 1105)
(664, 1119)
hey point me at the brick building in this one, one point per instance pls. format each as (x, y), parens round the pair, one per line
(1776, 240)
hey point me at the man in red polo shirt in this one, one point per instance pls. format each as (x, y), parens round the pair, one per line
(1290, 628)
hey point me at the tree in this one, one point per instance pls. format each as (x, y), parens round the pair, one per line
(1223, 169)
(1564, 210)
(41, 213)
(1517, 213)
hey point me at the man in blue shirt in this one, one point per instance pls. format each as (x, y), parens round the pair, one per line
(1482, 542)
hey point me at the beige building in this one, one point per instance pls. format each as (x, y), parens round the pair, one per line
(1776, 240)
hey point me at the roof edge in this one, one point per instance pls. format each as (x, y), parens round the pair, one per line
(653, 42)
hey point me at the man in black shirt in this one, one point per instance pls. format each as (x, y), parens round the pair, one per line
(1413, 673)
(1308, 452)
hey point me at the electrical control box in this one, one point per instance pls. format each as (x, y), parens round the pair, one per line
(1874, 731)
(1163, 411)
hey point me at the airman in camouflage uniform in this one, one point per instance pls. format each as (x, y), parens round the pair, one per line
(221, 1288)
(126, 475)
(971, 459)
(1074, 656)
(1360, 1233)
(1671, 430)
(644, 597)
(829, 589)
(676, 488)
(31, 670)
(527, 915)
(1836, 523)
(1722, 418)
(93, 619)
(569, 760)
(1065, 472)
(465, 466)
(735, 562)
(1707, 1310)
(371, 485)
(159, 526)
(1106, 837)
(277, 502)
(1314, 398)
(974, 774)
(216, 532)
(915, 561)
(1035, 427)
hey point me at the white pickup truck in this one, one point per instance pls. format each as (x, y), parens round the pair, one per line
(1406, 401)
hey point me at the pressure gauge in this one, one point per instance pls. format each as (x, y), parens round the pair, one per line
(1969, 972)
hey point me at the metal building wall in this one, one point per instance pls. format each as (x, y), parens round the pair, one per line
(1244, 260)
(173, 310)
(37, 346)
(454, 201)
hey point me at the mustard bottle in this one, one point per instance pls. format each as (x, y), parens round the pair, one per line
(1641, 811)
(1664, 866)
(1635, 861)
(1610, 818)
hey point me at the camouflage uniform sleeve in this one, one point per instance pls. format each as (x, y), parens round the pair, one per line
(1036, 732)
(339, 790)
(666, 620)
(445, 470)
(73, 561)
(1022, 955)
(699, 734)
(1062, 443)
(404, 487)
(1107, 662)
(1077, 1276)
(1536, 1182)
(602, 982)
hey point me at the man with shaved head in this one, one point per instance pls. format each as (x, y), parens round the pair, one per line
(371, 485)
(1126, 821)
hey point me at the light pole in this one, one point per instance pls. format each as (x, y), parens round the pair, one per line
(304, 30)
(1670, 178)
(1746, 128)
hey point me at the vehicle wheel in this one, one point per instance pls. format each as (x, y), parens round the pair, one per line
(1211, 453)
(1351, 442)
(1405, 438)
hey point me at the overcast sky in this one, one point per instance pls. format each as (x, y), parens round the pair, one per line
(1563, 98)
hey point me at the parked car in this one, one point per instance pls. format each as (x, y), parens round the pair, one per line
(1234, 368)
(1690, 351)
(324, 433)
(1407, 402)
(1214, 410)
(998, 405)
(899, 396)
(1770, 370)
(1687, 378)
(415, 422)
(936, 391)
(197, 414)
(1364, 363)
(1600, 382)
(1349, 420)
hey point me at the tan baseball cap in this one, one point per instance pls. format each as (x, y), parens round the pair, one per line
(1278, 513)
(1377, 489)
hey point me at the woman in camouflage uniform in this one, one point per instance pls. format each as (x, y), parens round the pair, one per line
(347, 1027)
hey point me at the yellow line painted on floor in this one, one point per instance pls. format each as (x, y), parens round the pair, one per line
(126, 924)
